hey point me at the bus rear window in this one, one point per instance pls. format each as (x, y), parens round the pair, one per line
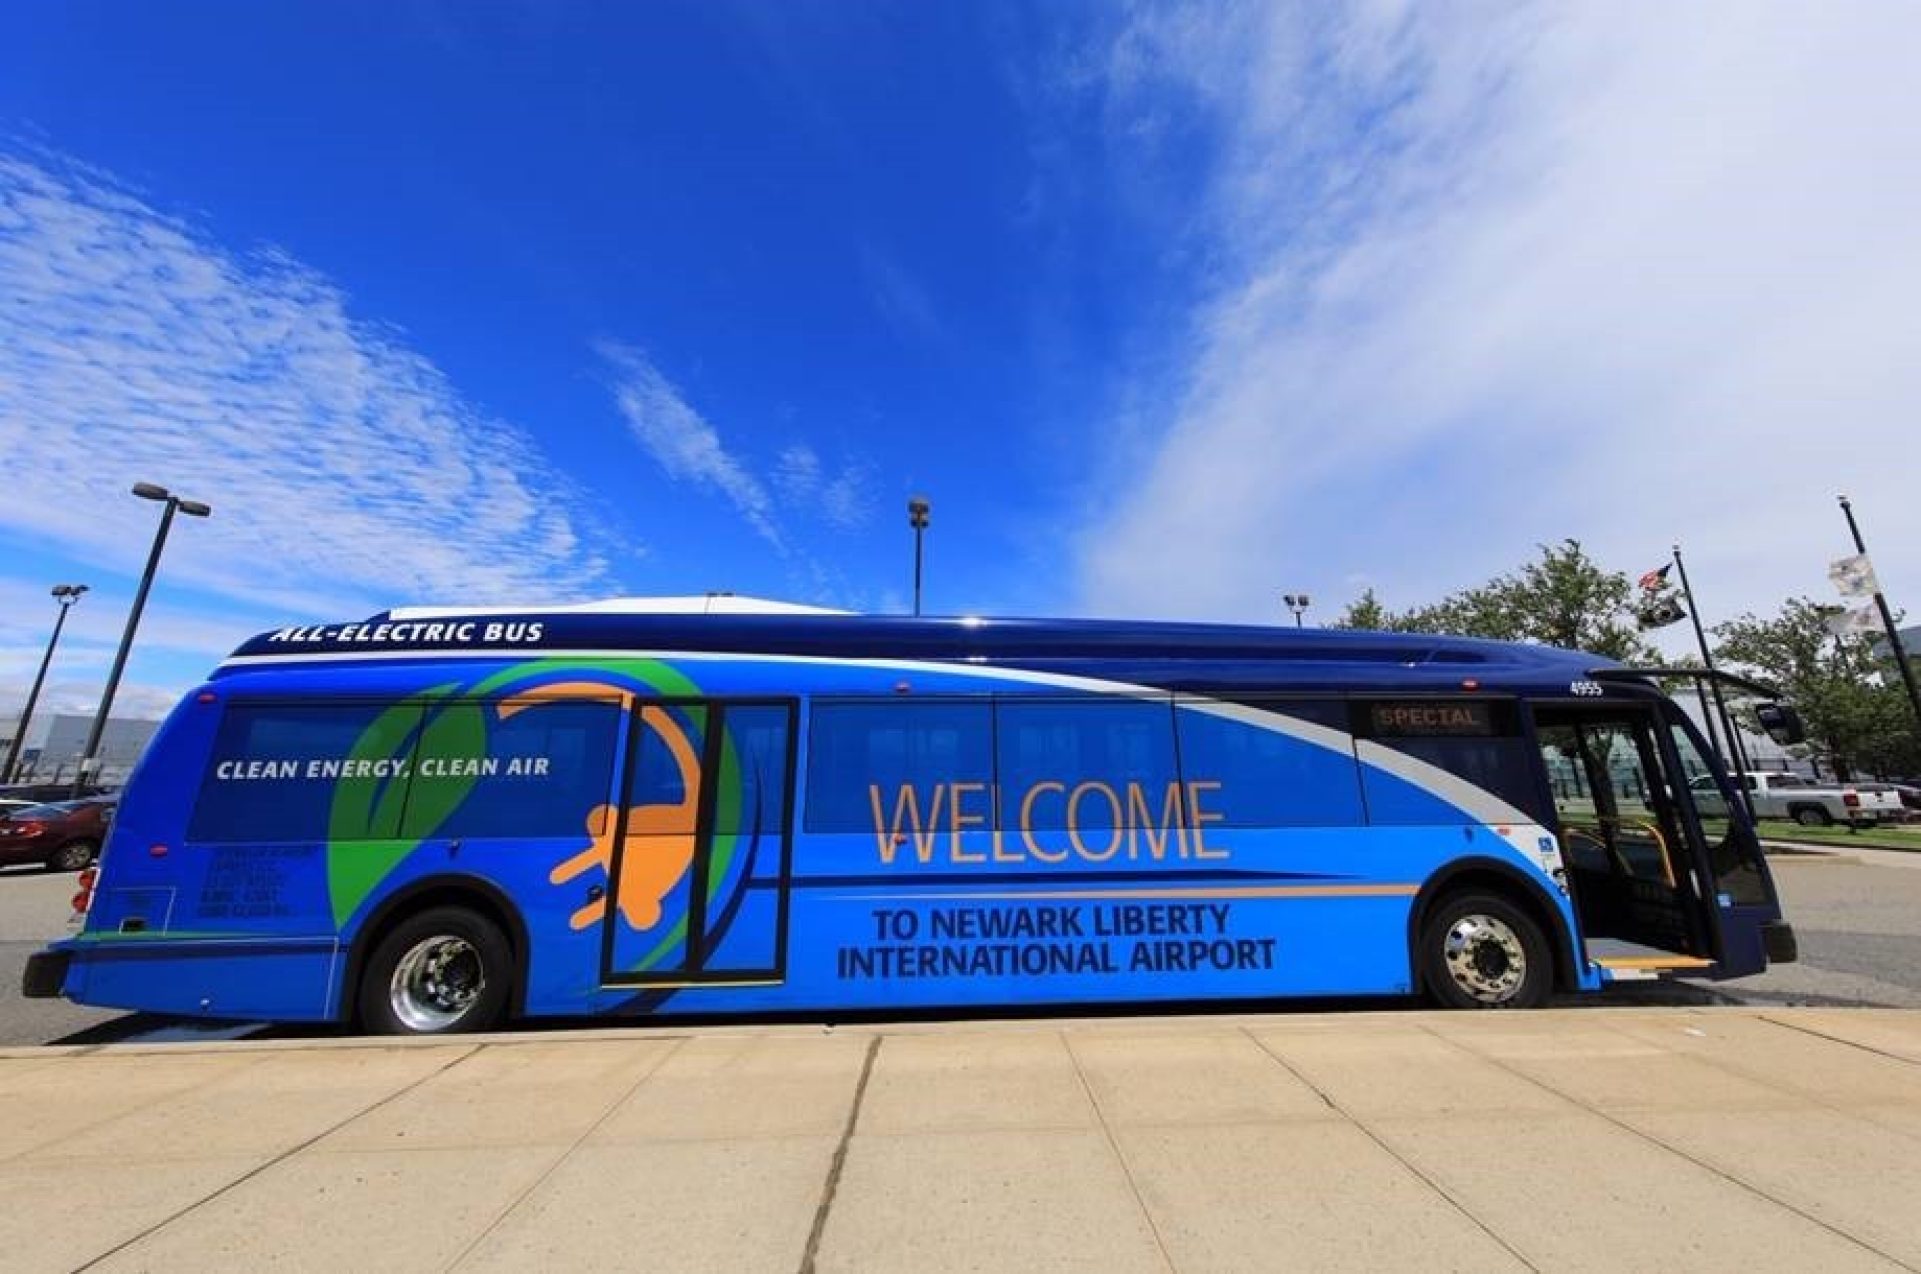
(368, 771)
(306, 772)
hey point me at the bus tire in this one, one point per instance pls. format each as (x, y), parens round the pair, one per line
(443, 971)
(1481, 951)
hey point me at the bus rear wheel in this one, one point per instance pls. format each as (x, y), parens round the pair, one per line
(444, 971)
(1480, 951)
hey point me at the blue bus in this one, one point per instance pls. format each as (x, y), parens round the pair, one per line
(433, 822)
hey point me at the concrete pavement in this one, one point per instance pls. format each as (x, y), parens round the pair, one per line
(1565, 1139)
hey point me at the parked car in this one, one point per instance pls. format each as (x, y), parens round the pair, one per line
(64, 835)
(1908, 799)
(1783, 795)
(41, 793)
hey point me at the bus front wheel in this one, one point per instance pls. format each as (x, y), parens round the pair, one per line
(444, 971)
(1480, 951)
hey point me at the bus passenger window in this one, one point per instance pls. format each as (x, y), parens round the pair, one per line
(1110, 763)
(893, 756)
(534, 768)
(1278, 764)
(1476, 741)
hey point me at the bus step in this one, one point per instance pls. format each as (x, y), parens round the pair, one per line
(1623, 961)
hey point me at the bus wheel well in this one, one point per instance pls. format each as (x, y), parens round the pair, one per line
(1497, 878)
(477, 896)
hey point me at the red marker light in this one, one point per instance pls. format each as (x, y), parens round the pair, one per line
(156, 851)
(205, 696)
(1470, 684)
(81, 899)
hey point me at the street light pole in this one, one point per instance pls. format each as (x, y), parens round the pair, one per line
(917, 511)
(1887, 616)
(66, 595)
(193, 509)
(1298, 603)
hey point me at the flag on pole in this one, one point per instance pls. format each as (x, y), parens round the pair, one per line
(1659, 612)
(1848, 623)
(1854, 576)
(1653, 580)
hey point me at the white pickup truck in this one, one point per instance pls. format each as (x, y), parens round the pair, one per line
(1783, 795)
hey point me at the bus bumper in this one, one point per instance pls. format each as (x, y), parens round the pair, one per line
(1777, 937)
(45, 974)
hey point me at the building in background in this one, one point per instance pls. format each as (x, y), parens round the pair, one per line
(55, 741)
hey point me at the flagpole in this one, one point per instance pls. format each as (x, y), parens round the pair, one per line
(1887, 616)
(1735, 753)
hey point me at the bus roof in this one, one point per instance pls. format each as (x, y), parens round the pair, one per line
(1160, 653)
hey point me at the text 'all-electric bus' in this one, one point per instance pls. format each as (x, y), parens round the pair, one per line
(429, 821)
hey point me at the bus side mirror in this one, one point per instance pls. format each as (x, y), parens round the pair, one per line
(1782, 723)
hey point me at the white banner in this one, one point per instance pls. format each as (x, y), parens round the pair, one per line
(1848, 623)
(1854, 576)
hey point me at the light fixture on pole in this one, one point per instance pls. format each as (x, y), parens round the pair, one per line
(66, 595)
(89, 759)
(917, 510)
(1298, 603)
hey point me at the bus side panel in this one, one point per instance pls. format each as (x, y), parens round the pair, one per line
(281, 981)
(1300, 912)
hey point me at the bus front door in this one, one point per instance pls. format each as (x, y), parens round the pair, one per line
(1628, 847)
(700, 864)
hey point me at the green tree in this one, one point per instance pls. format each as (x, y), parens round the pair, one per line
(1562, 599)
(1366, 612)
(1852, 702)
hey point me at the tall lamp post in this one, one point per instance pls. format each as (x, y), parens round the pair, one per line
(1298, 603)
(917, 510)
(89, 760)
(66, 595)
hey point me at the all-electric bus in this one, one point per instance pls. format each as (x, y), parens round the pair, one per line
(431, 821)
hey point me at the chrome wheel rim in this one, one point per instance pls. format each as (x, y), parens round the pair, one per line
(436, 983)
(1485, 958)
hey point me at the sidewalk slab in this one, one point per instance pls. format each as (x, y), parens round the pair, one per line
(975, 1083)
(1047, 1199)
(62, 1214)
(738, 1205)
(1576, 1192)
(1594, 1138)
(1298, 1196)
(1200, 1077)
(42, 1105)
(329, 1211)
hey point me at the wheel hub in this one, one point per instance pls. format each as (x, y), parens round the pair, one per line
(1485, 958)
(436, 982)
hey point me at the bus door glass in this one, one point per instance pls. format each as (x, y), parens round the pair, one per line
(1734, 854)
(1625, 840)
(701, 860)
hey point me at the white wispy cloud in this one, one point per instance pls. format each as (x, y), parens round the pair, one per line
(681, 440)
(1487, 277)
(841, 497)
(798, 486)
(345, 470)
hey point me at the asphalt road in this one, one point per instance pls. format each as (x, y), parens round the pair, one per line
(1857, 913)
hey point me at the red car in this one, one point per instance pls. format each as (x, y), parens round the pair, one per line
(65, 835)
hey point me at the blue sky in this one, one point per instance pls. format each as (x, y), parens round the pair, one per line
(1166, 308)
